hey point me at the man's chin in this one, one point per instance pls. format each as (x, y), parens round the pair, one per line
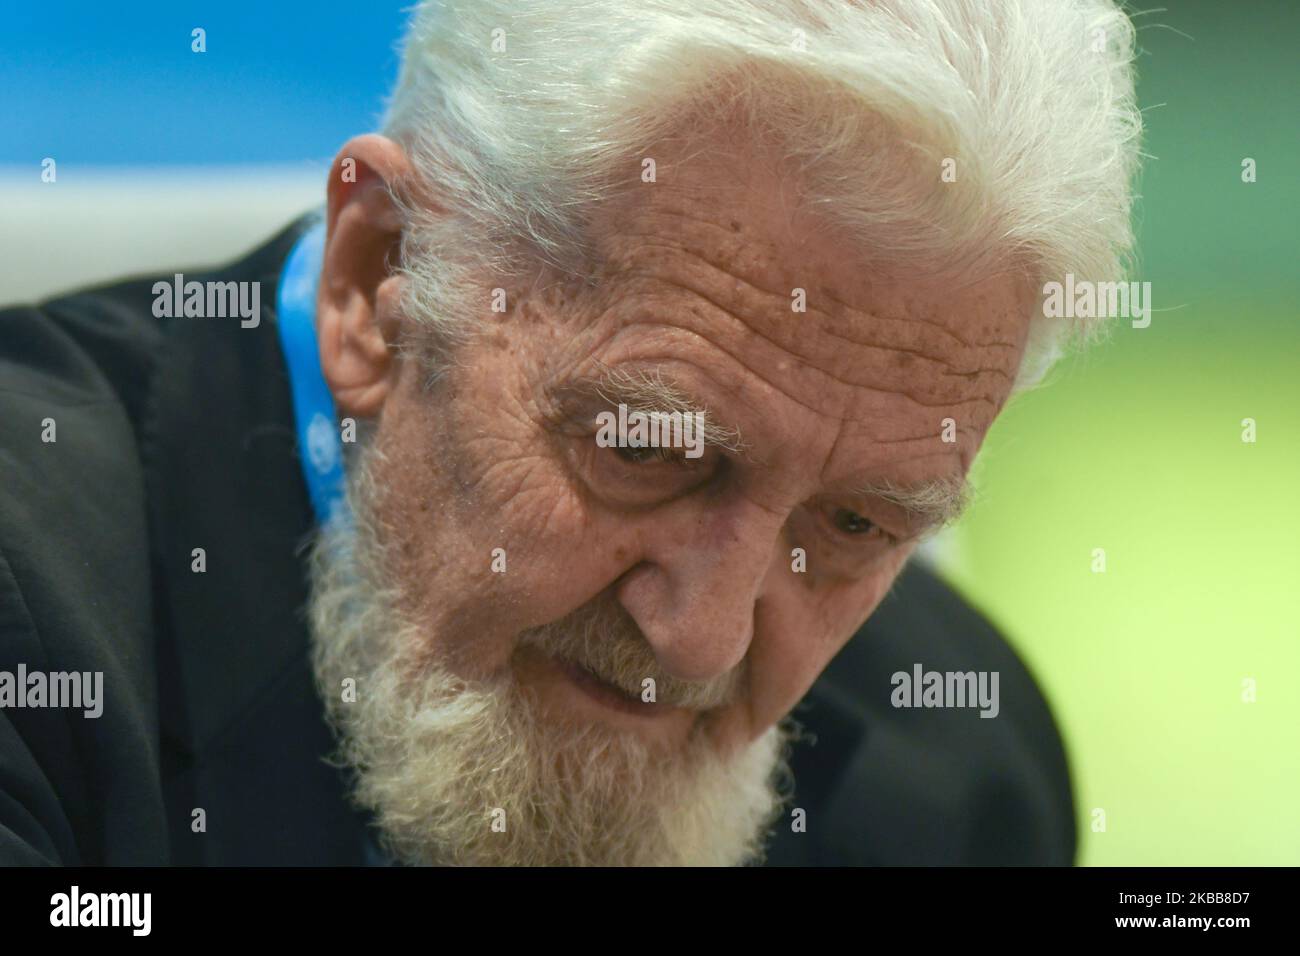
(484, 776)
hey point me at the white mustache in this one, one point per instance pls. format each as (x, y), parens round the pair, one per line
(602, 638)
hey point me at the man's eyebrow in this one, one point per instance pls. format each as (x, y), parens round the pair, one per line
(932, 503)
(648, 390)
(935, 503)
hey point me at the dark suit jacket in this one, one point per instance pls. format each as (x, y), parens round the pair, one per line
(178, 434)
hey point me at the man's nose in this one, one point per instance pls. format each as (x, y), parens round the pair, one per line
(695, 591)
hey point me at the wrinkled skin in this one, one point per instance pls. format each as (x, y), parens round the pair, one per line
(699, 270)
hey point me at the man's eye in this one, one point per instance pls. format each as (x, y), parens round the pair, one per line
(644, 454)
(643, 475)
(851, 522)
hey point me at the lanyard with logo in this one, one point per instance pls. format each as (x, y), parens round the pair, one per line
(319, 445)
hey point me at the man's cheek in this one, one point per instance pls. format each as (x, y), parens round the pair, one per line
(530, 506)
(785, 669)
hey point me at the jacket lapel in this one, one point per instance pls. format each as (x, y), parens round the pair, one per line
(243, 733)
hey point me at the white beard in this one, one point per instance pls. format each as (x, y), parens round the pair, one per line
(472, 773)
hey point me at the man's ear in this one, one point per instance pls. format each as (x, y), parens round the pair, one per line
(356, 305)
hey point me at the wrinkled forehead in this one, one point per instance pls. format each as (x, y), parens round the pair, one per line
(727, 248)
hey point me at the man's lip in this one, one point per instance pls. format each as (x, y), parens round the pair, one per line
(606, 693)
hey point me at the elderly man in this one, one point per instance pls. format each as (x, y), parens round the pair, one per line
(394, 567)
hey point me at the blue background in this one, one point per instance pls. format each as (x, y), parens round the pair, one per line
(117, 84)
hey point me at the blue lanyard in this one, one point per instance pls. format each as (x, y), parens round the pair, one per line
(319, 446)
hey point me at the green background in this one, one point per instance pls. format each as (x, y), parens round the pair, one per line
(1136, 447)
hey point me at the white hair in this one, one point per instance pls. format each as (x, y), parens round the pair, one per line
(520, 116)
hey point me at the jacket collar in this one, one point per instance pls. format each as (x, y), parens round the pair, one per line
(223, 475)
